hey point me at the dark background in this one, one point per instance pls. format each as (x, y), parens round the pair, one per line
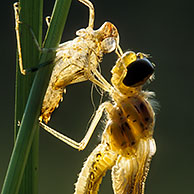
(164, 29)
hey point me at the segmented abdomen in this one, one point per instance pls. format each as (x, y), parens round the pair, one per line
(95, 167)
(72, 62)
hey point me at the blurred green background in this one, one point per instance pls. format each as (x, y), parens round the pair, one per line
(165, 29)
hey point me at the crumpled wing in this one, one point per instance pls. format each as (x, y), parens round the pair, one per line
(95, 167)
(129, 174)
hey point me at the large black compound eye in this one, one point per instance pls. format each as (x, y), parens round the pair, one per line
(138, 72)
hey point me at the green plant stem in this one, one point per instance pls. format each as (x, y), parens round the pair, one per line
(30, 56)
(31, 114)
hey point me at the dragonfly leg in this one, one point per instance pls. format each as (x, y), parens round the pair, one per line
(91, 9)
(17, 23)
(48, 20)
(79, 145)
(100, 81)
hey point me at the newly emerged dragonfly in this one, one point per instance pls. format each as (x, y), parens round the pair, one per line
(76, 60)
(127, 143)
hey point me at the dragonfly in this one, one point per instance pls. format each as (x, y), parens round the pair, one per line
(76, 60)
(127, 144)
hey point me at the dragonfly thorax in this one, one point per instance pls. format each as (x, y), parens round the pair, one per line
(129, 121)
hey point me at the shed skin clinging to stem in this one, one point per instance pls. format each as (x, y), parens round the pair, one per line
(75, 62)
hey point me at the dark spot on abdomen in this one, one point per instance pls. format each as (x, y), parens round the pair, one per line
(125, 126)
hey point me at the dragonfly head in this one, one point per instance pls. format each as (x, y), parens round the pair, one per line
(132, 71)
